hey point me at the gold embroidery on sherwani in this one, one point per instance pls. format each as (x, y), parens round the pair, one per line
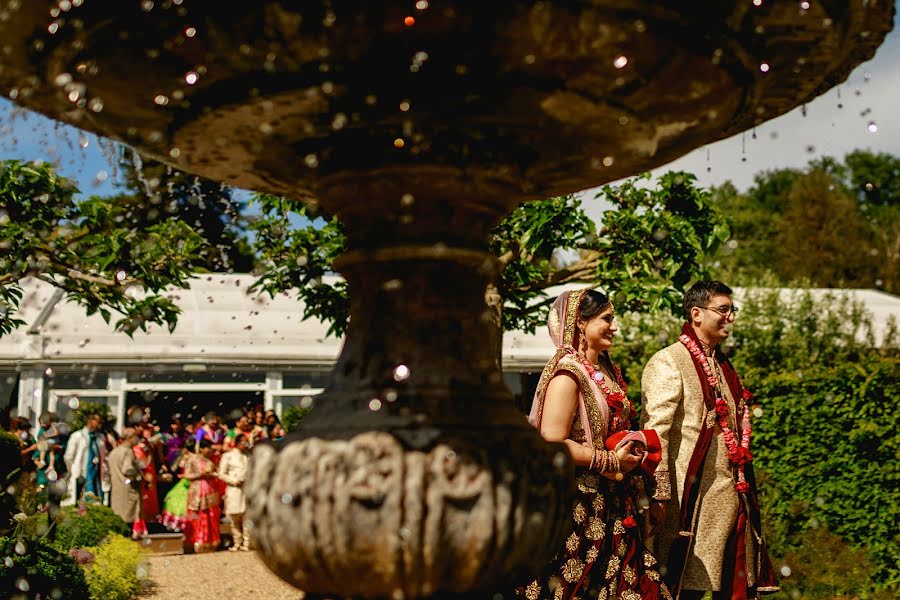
(630, 575)
(663, 486)
(602, 594)
(572, 570)
(618, 528)
(630, 595)
(673, 375)
(653, 575)
(592, 554)
(649, 561)
(597, 503)
(710, 419)
(572, 542)
(532, 591)
(621, 548)
(558, 593)
(579, 513)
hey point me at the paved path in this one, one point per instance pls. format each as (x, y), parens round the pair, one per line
(215, 576)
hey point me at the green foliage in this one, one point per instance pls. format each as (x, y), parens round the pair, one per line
(87, 408)
(528, 243)
(823, 565)
(292, 417)
(646, 251)
(296, 258)
(836, 223)
(28, 497)
(156, 193)
(826, 447)
(788, 331)
(87, 525)
(87, 249)
(39, 570)
(118, 570)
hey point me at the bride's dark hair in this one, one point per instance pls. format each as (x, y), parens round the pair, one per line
(592, 303)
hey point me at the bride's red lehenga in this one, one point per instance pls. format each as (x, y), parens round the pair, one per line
(604, 556)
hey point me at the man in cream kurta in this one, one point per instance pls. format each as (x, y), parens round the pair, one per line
(674, 407)
(125, 478)
(233, 471)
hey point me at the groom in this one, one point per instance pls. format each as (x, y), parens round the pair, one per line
(704, 513)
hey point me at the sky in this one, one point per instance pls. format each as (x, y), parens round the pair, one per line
(870, 95)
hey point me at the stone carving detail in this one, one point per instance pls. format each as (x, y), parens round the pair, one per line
(366, 517)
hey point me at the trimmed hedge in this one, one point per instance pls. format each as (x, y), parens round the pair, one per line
(826, 448)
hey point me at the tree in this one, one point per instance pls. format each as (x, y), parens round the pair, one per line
(645, 252)
(834, 222)
(87, 249)
(154, 192)
(821, 234)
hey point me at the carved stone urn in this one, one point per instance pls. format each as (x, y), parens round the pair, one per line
(421, 124)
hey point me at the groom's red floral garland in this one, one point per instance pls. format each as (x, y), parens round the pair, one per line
(738, 454)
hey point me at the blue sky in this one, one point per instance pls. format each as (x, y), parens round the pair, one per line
(871, 94)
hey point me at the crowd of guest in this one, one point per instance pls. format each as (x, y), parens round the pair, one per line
(182, 476)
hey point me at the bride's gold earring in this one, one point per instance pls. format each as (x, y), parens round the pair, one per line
(582, 346)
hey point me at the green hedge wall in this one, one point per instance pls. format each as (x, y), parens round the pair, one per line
(826, 448)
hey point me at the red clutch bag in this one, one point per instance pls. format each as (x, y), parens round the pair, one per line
(645, 437)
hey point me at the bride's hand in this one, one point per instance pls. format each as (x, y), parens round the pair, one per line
(630, 456)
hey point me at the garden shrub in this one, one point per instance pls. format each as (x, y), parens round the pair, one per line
(118, 570)
(87, 524)
(86, 408)
(292, 417)
(39, 570)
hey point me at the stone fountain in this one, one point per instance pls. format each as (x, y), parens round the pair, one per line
(421, 124)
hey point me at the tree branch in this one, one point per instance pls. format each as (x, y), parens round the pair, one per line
(584, 269)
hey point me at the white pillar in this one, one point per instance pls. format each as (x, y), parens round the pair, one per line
(31, 395)
(116, 386)
(274, 381)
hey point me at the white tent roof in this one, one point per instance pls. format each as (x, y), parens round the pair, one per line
(222, 322)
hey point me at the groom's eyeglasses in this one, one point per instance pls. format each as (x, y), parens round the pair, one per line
(725, 311)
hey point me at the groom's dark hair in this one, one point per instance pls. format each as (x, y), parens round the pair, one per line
(701, 293)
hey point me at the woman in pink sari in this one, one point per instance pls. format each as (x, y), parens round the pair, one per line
(580, 401)
(203, 512)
